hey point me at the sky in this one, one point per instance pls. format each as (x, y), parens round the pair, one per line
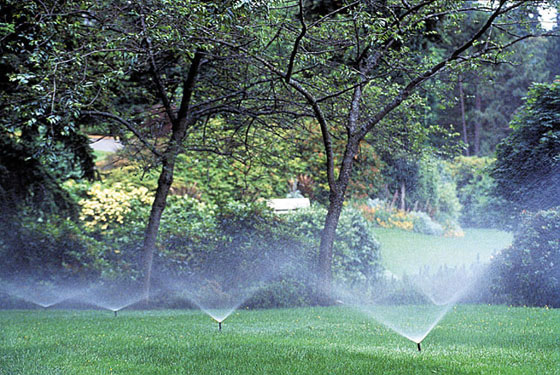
(548, 18)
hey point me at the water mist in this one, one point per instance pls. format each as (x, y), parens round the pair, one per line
(411, 306)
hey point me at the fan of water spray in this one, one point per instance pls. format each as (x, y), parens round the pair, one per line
(215, 295)
(219, 288)
(41, 293)
(411, 306)
(112, 296)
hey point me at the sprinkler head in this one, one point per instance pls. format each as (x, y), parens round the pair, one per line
(116, 311)
(219, 326)
(419, 347)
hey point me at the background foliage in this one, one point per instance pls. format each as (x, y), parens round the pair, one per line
(527, 169)
(528, 272)
(60, 60)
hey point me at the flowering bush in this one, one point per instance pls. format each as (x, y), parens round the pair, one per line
(107, 206)
(382, 215)
(423, 223)
(387, 218)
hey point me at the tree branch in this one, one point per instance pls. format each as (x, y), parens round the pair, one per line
(296, 43)
(311, 101)
(161, 92)
(188, 85)
(404, 93)
(127, 124)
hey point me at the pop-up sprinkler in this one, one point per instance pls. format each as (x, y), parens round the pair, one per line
(419, 347)
(116, 311)
(219, 326)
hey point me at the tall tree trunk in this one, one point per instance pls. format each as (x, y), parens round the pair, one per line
(150, 236)
(180, 124)
(477, 124)
(403, 196)
(328, 235)
(463, 117)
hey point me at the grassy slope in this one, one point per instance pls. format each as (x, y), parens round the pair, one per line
(470, 340)
(407, 251)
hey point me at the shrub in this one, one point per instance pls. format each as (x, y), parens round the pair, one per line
(238, 245)
(282, 293)
(528, 273)
(527, 168)
(110, 206)
(423, 223)
(379, 213)
(475, 190)
(436, 192)
(46, 247)
(233, 243)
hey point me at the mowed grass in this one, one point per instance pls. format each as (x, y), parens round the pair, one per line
(332, 340)
(407, 252)
(101, 155)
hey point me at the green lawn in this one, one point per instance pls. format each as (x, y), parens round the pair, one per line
(407, 251)
(334, 340)
(101, 155)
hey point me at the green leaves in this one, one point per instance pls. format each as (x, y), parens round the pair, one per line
(527, 169)
(528, 270)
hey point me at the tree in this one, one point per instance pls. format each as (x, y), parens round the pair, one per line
(483, 100)
(182, 63)
(353, 66)
(527, 168)
(553, 52)
(494, 93)
(349, 66)
(119, 60)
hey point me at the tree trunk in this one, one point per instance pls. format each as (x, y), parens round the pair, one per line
(328, 235)
(180, 123)
(477, 124)
(150, 236)
(463, 117)
(403, 196)
(394, 200)
(164, 185)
